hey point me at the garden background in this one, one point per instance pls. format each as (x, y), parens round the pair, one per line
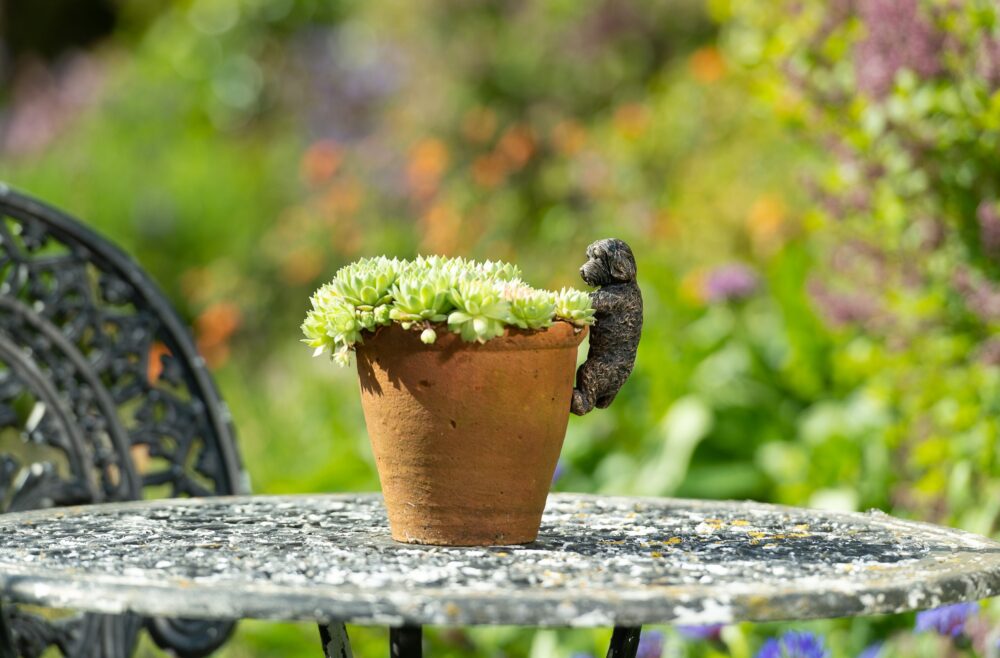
(810, 188)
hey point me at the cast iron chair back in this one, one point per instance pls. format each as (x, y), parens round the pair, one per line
(103, 398)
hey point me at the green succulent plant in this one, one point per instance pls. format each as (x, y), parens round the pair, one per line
(332, 323)
(430, 294)
(366, 283)
(574, 306)
(480, 312)
(529, 308)
(498, 270)
(423, 299)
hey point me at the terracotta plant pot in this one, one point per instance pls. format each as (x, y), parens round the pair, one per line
(465, 435)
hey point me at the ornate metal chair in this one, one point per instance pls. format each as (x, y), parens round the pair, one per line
(103, 397)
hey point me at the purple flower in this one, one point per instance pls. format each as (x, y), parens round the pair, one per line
(898, 37)
(706, 632)
(730, 282)
(871, 651)
(981, 296)
(794, 644)
(988, 62)
(948, 620)
(989, 352)
(989, 227)
(650, 645)
(848, 307)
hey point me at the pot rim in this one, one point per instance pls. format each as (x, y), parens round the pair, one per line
(559, 335)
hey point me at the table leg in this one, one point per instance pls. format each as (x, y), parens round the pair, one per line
(336, 644)
(7, 649)
(624, 642)
(406, 642)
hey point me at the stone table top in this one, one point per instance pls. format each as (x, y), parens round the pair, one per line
(598, 561)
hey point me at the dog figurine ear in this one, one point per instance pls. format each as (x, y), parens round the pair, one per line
(622, 265)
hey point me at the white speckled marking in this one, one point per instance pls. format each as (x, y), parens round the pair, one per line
(598, 561)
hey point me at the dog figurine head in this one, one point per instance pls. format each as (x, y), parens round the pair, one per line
(609, 261)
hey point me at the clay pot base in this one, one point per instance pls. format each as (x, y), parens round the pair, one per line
(465, 435)
(486, 530)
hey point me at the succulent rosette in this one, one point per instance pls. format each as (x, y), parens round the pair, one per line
(478, 301)
(480, 312)
(574, 306)
(531, 309)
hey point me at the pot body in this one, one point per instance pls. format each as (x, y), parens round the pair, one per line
(465, 435)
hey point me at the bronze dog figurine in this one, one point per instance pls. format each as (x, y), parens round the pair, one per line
(614, 336)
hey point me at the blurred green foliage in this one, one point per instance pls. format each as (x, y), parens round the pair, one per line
(816, 239)
(907, 229)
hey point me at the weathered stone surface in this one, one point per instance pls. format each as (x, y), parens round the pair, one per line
(598, 561)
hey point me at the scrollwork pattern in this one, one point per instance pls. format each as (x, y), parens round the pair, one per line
(102, 398)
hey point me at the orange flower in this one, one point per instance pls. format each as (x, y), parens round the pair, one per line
(141, 459)
(154, 366)
(707, 64)
(321, 161)
(440, 226)
(343, 197)
(517, 145)
(631, 120)
(569, 137)
(765, 221)
(428, 160)
(489, 170)
(213, 328)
